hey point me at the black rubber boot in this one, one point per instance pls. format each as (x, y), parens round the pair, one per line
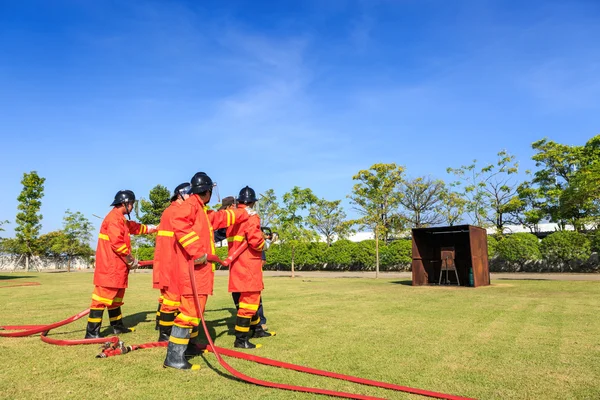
(116, 321)
(94, 323)
(165, 325)
(178, 343)
(192, 349)
(242, 334)
(158, 318)
(259, 332)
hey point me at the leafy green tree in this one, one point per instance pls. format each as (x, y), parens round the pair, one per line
(567, 182)
(77, 231)
(29, 217)
(376, 198)
(51, 244)
(452, 207)
(291, 219)
(267, 207)
(489, 190)
(151, 210)
(329, 219)
(2, 223)
(526, 207)
(422, 198)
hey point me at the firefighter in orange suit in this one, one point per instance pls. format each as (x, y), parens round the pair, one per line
(164, 259)
(113, 263)
(193, 231)
(245, 272)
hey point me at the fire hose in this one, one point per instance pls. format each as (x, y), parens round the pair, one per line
(114, 346)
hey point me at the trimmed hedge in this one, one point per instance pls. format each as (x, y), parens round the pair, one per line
(342, 255)
(514, 252)
(566, 247)
(518, 248)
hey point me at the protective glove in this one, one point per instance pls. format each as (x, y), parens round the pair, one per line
(200, 260)
(250, 211)
(152, 228)
(131, 261)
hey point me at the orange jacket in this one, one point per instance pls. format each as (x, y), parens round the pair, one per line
(245, 272)
(164, 251)
(113, 245)
(193, 229)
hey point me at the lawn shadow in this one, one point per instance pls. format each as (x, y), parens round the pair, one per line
(211, 325)
(219, 372)
(7, 277)
(405, 282)
(129, 320)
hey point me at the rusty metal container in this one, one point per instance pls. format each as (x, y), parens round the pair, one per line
(466, 244)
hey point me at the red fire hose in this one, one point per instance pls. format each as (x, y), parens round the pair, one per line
(113, 346)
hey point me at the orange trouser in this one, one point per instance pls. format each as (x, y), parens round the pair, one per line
(107, 297)
(188, 313)
(170, 301)
(249, 302)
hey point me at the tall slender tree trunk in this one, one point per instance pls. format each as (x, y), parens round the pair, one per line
(27, 263)
(293, 254)
(376, 251)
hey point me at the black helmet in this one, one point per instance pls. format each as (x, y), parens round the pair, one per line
(123, 196)
(247, 195)
(201, 183)
(180, 190)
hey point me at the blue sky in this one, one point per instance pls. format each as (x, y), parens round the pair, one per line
(107, 95)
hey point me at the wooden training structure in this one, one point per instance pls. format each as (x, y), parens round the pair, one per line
(447, 254)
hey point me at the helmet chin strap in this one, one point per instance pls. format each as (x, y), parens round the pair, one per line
(127, 210)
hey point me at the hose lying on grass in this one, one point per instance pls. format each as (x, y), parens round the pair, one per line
(113, 346)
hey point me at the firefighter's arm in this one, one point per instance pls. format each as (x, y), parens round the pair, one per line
(226, 218)
(140, 229)
(254, 235)
(116, 237)
(188, 239)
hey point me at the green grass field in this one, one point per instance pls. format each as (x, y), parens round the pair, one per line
(513, 340)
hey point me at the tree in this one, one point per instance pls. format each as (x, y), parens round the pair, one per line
(267, 207)
(452, 208)
(489, 190)
(152, 209)
(526, 206)
(51, 244)
(149, 212)
(329, 219)
(376, 197)
(29, 218)
(558, 164)
(291, 223)
(77, 231)
(2, 223)
(422, 198)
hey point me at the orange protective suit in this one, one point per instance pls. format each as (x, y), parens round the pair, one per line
(193, 229)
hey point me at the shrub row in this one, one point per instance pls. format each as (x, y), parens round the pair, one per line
(342, 255)
(559, 251)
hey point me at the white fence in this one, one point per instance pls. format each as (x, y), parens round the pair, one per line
(16, 263)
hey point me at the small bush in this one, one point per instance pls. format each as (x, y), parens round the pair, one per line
(144, 253)
(518, 248)
(363, 256)
(594, 238)
(566, 247)
(492, 245)
(339, 255)
(396, 256)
